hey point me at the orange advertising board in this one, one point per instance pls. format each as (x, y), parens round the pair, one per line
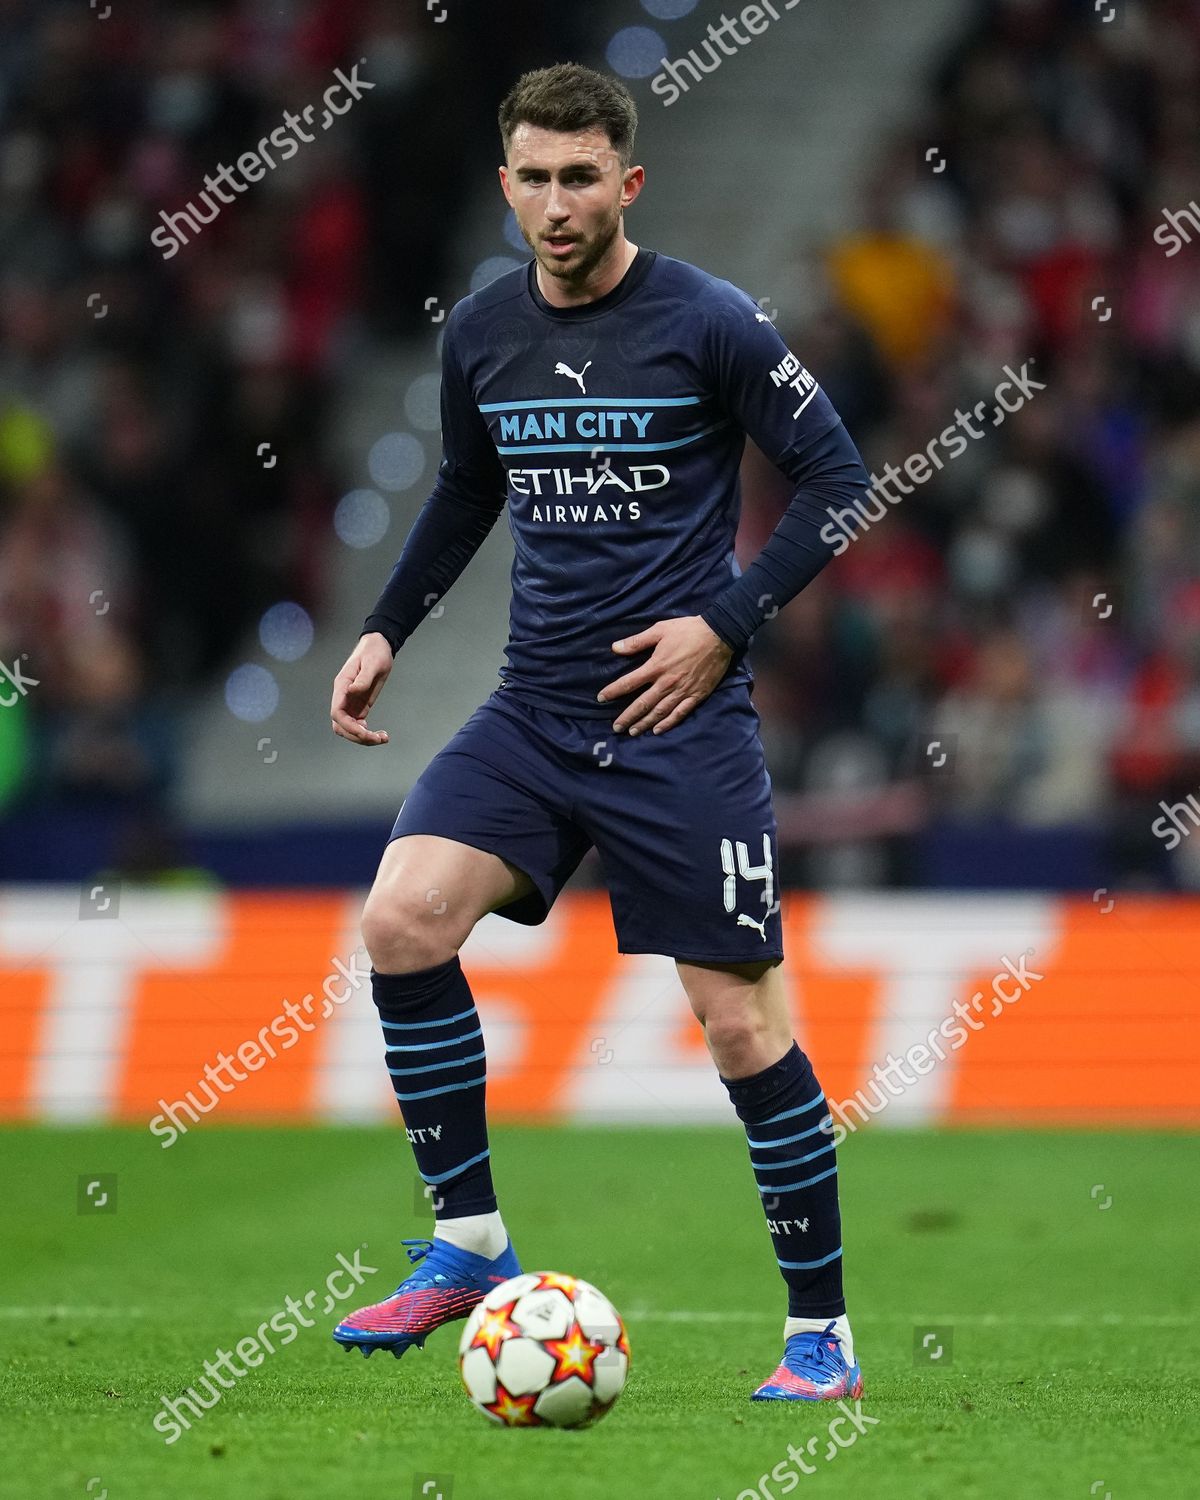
(923, 1008)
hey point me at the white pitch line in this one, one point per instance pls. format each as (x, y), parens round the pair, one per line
(982, 1320)
(675, 1315)
(73, 1312)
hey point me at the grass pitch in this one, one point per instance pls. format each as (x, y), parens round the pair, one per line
(1056, 1273)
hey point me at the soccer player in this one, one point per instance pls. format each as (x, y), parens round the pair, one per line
(604, 393)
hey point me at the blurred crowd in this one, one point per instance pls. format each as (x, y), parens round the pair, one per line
(165, 447)
(1017, 641)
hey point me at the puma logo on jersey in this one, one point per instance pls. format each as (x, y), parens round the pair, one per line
(562, 369)
(745, 921)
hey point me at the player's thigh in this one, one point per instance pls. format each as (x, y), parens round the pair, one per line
(486, 827)
(685, 830)
(429, 893)
(713, 986)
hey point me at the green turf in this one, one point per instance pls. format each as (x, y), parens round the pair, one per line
(1073, 1369)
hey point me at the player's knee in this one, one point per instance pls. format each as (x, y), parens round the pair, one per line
(406, 931)
(735, 1030)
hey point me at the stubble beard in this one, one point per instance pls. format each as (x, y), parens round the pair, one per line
(592, 254)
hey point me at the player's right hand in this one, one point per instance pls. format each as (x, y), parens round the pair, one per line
(356, 687)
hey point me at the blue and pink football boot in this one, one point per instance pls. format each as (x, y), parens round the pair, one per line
(813, 1369)
(447, 1285)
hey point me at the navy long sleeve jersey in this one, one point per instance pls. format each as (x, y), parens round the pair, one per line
(614, 431)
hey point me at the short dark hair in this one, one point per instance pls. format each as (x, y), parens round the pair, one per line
(569, 97)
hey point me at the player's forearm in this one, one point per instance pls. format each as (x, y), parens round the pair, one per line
(445, 537)
(828, 474)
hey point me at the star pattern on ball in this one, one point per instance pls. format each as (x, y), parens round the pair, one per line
(552, 1279)
(513, 1411)
(573, 1355)
(495, 1326)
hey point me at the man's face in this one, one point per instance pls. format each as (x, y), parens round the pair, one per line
(568, 193)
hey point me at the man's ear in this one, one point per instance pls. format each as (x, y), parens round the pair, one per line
(635, 181)
(504, 184)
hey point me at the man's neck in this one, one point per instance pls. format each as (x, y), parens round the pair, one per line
(602, 280)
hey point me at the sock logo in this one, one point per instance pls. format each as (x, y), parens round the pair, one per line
(434, 1132)
(784, 1226)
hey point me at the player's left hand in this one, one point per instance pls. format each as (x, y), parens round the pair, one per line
(687, 661)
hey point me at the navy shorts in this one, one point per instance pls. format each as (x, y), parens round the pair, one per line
(682, 822)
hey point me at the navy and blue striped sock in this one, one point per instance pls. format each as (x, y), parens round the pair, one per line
(435, 1055)
(795, 1166)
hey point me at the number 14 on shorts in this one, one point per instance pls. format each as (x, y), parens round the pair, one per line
(735, 861)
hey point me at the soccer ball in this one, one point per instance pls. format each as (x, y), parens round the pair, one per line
(544, 1350)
